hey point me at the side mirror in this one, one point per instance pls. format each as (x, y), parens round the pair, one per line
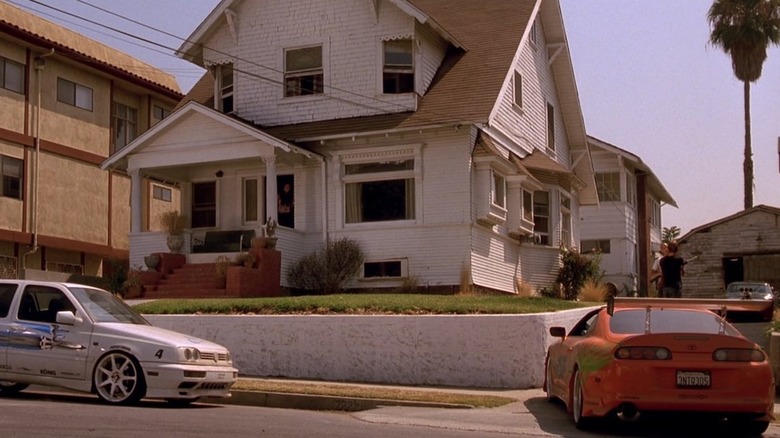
(68, 318)
(558, 332)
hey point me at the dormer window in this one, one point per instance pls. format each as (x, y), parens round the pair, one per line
(224, 75)
(303, 72)
(398, 71)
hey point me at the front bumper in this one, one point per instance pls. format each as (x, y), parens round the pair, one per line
(179, 381)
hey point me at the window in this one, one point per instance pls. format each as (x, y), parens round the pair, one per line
(550, 126)
(379, 191)
(204, 204)
(565, 221)
(528, 206)
(518, 82)
(382, 269)
(11, 75)
(253, 210)
(11, 169)
(74, 94)
(125, 125)
(542, 217)
(160, 113)
(608, 186)
(40, 303)
(602, 246)
(655, 213)
(161, 193)
(398, 74)
(225, 92)
(498, 189)
(303, 73)
(285, 200)
(631, 189)
(533, 34)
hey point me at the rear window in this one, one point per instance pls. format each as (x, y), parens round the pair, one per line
(634, 321)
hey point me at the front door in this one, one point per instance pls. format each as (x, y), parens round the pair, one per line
(38, 345)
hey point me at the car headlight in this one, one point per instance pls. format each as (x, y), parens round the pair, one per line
(189, 354)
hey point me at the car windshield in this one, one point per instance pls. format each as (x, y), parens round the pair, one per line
(633, 321)
(102, 306)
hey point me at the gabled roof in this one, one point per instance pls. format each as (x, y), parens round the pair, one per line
(706, 227)
(655, 184)
(45, 34)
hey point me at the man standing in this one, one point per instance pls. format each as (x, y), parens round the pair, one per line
(671, 272)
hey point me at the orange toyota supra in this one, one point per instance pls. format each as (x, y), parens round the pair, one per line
(650, 355)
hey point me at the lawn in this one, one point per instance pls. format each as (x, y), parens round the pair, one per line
(362, 304)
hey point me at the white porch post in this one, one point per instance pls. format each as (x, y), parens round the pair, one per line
(270, 188)
(136, 201)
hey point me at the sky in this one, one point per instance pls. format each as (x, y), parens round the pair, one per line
(649, 82)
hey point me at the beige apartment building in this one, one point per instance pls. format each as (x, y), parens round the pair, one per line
(66, 103)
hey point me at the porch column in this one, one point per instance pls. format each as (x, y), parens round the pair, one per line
(270, 188)
(136, 201)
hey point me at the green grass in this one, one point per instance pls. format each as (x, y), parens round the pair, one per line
(362, 304)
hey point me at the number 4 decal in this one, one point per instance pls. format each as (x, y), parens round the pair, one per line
(158, 355)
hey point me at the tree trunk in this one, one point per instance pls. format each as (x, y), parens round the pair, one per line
(747, 165)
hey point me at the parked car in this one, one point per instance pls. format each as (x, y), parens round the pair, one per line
(86, 339)
(751, 290)
(640, 355)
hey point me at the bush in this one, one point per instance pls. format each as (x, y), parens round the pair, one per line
(576, 270)
(327, 270)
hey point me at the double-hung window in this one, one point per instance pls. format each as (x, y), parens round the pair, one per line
(303, 71)
(608, 186)
(225, 88)
(11, 75)
(74, 94)
(11, 169)
(498, 189)
(398, 73)
(542, 217)
(565, 221)
(125, 125)
(379, 191)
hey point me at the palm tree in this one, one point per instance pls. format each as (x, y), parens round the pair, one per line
(744, 29)
(671, 233)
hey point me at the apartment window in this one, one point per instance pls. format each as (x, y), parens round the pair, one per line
(11, 75)
(565, 221)
(608, 186)
(162, 193)
(498, 189)
(398, 74)
(74, 94)
(528, 206)
(11, 169)
(382, 269)
(125, 125)
(631, 189)
(303, 72)
(160, 113)
(542, 217)
(518, 83)
(602, 246)
(204, 204)
(550, 127)
(379, 191)
(225, 84)
(251, 197)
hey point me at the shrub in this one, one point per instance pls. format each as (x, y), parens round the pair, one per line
(576, 269)
(593, 291)
(329, 269)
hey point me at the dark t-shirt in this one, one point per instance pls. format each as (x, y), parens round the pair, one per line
(671, 270)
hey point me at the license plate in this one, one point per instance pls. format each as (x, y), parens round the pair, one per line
(693, 379)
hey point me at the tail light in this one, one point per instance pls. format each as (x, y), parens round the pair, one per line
(738, 355)
(643, 353)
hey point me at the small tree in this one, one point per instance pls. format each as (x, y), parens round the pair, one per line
(576, 270)
(329, 269)
(670, 233)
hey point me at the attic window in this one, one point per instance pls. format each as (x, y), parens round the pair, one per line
(303, 72)
(398, 73)
(225, 88)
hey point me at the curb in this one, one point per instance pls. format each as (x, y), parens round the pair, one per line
(319, 402)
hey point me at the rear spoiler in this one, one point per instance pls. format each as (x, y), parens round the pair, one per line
(717, 305)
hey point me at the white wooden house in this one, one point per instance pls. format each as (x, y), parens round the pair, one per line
(446, 137)
(626, 225)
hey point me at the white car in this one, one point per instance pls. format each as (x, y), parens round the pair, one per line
(85, 339)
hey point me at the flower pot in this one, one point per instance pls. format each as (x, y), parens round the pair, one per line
(175, 242)
(259, 242)
(152, 261)
(271, 242)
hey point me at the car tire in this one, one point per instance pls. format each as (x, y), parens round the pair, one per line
(118, 379)
(577, 402)
(7, 387)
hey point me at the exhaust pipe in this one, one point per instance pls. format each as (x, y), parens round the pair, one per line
(627, 412)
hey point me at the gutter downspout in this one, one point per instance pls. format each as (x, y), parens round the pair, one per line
(40, 62)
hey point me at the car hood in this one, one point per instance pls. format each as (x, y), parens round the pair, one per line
(156, 335)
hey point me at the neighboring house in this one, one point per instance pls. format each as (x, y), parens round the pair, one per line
(66, 104)
(445, 137)
(743, 246)
(626, 225)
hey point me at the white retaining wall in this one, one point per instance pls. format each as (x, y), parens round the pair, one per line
(478, 351)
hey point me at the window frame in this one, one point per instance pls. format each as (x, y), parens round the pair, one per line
(5, 64)
(543, 238)
(197, 208)
(400, 76)
(225, 92)
(604, 246)
(550, 126)
(517, 91)
(565, 220)
(18, 192)
(497, 189)
(163, 112)
(299, 75)
(73, 100)
(157, 188)
(606, 185)
(121, 116)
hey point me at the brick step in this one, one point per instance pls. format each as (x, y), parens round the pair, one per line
(210, 284)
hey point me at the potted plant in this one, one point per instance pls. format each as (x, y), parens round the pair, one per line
(268, 235)
(174, 222)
